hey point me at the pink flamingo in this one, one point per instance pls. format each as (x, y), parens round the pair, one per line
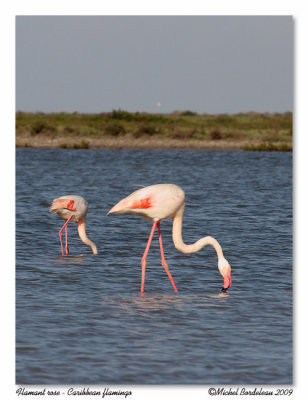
(73, 208)
(158, 202)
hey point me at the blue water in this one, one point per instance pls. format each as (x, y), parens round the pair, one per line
(82, 320)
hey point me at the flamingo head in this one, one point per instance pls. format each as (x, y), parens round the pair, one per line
(225, 271)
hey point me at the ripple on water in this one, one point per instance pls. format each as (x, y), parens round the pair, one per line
(82, 320)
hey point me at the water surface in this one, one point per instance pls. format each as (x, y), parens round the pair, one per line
(82, 319)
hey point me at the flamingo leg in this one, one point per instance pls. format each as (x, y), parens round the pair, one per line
(144, 257)
(60, 235)
(163, 260)
(66, 247)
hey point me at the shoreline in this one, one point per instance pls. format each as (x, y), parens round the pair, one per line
(129, 142)
(180, 130)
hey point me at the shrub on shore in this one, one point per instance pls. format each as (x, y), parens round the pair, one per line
(273, 128)
(114, 130)
(41, 127)
(268, 146)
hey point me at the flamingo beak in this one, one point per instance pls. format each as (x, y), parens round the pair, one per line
(227, 281)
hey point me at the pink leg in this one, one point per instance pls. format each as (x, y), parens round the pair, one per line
(144, 257)
(66, 247)
(163, 260)
(60, 235)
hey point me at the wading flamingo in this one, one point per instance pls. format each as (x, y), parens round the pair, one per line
(158, 202)
(72, 207)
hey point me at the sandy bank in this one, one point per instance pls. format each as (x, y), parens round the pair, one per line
(130, 142)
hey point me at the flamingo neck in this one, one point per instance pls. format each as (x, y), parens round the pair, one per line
(198, 245)
(81, 227)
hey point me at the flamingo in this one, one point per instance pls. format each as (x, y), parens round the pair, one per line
(159, 202)
(72, 207)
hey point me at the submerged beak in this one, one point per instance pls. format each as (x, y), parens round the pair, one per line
(227, 281)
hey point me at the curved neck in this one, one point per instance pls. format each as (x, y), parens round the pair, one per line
(81, 227)
(198, 245)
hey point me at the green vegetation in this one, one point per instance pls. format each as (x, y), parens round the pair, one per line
(253, 131)
(268, 147)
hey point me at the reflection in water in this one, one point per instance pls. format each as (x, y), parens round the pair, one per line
(145, 302)
(69, 259)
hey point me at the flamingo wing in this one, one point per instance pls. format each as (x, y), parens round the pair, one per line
(132, 204)
(63, 203)
(142, 203)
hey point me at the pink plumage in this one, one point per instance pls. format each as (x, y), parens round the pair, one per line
(72, 207)
(158, 202)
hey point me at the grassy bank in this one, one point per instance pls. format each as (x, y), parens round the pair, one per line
(248, 131)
